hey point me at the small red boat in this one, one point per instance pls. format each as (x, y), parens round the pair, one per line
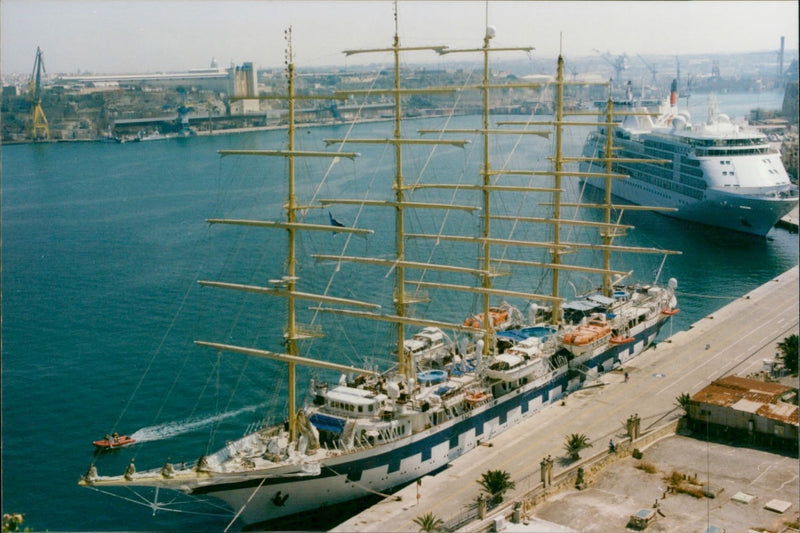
(114, 441)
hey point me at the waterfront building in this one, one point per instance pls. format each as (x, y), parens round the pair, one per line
(757, 411)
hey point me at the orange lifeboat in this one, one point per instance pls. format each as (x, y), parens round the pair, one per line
(475, 397)
(497, 314)
(587, 333)
(670, 312)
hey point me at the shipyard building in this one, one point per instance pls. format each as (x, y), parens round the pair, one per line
(755, 412)
(237, 80)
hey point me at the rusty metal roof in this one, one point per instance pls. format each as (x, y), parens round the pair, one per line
(751, 396)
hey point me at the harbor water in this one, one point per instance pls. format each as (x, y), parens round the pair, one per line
(102, 248)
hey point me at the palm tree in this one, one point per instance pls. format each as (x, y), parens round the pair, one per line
(495, 483)
(787, 352)
(682, 401)
(429, 523)
(575, 443)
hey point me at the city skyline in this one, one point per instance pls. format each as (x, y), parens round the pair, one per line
(160, 36)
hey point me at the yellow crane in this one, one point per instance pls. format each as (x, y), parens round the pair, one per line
(38, 129)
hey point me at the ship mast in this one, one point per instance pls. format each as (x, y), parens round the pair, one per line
(402, 299)
(487, 187)
(608, 235)
(406, 361)
(608, 229)
(286, 286)
(558, 163)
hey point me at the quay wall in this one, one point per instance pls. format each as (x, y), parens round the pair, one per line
(714, 346)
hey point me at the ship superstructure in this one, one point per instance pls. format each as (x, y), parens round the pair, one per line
(717, 173)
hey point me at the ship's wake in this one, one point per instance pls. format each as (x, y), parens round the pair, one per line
(171, 429)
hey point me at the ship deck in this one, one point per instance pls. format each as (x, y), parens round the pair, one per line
(733, 340)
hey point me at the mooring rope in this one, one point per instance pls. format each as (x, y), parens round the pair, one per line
(245, 505)
(695, 295)
(359, 485)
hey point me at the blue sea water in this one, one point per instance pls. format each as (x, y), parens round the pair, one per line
(103, 245)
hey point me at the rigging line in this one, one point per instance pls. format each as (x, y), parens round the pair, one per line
(228, 262)
(325, 176)
(647, 237)
(212, 434)
(318, 189)
(530, 180)
(347, 243)
(242, 373)
(575, 212)
(159, 348)
(341, 145)
(243, 307)
(167, 333)
(695, 295)
(241, 510)
(349, 236)
(461, 178)
(175, 382)
(146, 503)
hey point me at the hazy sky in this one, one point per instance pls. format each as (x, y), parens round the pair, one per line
(107, 36)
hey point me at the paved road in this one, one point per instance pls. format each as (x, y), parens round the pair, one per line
(733, 340)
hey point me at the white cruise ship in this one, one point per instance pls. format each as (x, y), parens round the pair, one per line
(718, 173)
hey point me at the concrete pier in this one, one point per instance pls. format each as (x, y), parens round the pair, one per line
(733, 340)
(789, 221)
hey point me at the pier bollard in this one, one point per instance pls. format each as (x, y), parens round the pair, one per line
(130, 471)
(516, 514)
(632, 426)
(543, 468)
(580, 483)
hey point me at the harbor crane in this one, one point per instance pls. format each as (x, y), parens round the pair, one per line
(651, 67)
(619, 63)
(38, 130)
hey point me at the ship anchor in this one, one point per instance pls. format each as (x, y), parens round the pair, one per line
(279, 500)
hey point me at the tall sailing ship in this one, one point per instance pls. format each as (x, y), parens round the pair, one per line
(455, 384)
(717, 173)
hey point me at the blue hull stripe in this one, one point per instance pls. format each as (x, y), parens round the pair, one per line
(395, 455)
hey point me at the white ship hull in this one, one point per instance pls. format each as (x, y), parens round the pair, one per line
(751, 214)
(382, 469)
(262, 495)
(717, 173)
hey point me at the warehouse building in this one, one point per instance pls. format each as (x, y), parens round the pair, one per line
(750, 411)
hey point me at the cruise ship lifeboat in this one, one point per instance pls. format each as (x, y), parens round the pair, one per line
(476, 397)
(595, 331)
